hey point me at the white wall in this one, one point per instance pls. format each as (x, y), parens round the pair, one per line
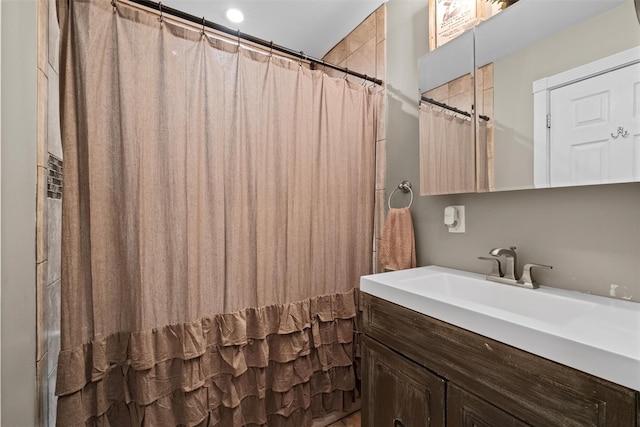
(18, 211)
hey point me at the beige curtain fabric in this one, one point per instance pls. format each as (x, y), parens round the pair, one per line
(218, 212)
(447, 153)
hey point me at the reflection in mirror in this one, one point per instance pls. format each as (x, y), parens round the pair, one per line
(451, 162)
(608, 33)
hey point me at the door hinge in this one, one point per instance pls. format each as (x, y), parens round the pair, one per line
(549, 121)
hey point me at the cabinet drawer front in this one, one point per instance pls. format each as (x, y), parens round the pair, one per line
(535, 390)
(398, 392)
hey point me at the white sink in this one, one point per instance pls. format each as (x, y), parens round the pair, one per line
(597, 335)
(477, 292)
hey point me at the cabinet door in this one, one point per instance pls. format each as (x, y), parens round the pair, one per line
(465, 409)
(398, 392)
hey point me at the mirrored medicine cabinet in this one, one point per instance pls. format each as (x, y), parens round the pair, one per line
(508, 73)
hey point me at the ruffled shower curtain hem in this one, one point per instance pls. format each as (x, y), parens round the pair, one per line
(256, 366)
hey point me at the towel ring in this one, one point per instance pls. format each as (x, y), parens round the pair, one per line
(405, 186)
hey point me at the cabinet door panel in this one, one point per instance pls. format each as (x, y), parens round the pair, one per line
(397, 392)
(467, 410)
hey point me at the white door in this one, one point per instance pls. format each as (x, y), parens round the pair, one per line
(595, 129)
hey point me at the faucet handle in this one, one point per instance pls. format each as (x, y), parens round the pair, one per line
(527, 278)
(497, 267)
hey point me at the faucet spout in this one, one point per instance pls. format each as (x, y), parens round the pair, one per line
(511, 258)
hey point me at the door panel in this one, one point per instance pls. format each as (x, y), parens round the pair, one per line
(595, 129)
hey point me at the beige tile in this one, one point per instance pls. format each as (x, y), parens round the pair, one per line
(362, 34)
(487, 76)
(464, 101)
(381, 60)
(338, 53)
(43, 34)
(363, 60)
(42, 232)
(41, 128)
(52, 314)
(54, 37)
(487, 102)
(381, 23)
(381, 163)
(380, 205)
(41, 307)
(441, 93)
(381, 132)
(460, 85)
(54, 237)
(42, 386)
(54, 140)
(53, 400)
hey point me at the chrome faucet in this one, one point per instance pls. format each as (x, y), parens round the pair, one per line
(509, 276)
(512, 261)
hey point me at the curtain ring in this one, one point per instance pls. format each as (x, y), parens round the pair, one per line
(300, 59)
(160, 19)
(346, 73)
(364, 80)
(271, 49)
(238, 38)
(203, 25)
(113, 4)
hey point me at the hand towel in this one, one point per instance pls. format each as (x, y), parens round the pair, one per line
(397, 246)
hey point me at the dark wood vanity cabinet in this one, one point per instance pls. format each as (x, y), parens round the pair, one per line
(419, 371)
(401, 393)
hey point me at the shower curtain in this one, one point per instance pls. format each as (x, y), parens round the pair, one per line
(218, 212)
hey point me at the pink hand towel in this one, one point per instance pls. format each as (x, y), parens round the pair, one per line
(397, 246)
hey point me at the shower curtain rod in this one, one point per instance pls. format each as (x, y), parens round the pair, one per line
(236, 33)
(454, 109)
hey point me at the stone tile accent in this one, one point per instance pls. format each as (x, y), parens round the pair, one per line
(52, 321)
(42, 242)
(42, 385)
(54, 140)
(54, 237)
(54, 36)
(42, 343)
(43, 34)
(54, 178)
(53, 400)
(41, 127)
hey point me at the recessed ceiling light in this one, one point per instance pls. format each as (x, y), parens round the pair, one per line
(235, 16)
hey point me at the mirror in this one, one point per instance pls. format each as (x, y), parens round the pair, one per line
(529, 42)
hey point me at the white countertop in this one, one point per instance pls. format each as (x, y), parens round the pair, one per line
(597, 335)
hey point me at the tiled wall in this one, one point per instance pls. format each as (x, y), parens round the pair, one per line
(364, 51)
(49, 211)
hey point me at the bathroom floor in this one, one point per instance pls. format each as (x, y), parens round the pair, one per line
(352, 420)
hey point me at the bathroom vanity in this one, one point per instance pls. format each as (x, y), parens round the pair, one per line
(444, 347)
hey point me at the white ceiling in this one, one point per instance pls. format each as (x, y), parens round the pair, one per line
(311, 26)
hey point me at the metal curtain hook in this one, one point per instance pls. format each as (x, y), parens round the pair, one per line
(346, 73)
(300, 58)
(160, 19)
(113, 4)
(203, 25)
(238, 37)
(271, 49)
(364, 80)
(620, 132)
